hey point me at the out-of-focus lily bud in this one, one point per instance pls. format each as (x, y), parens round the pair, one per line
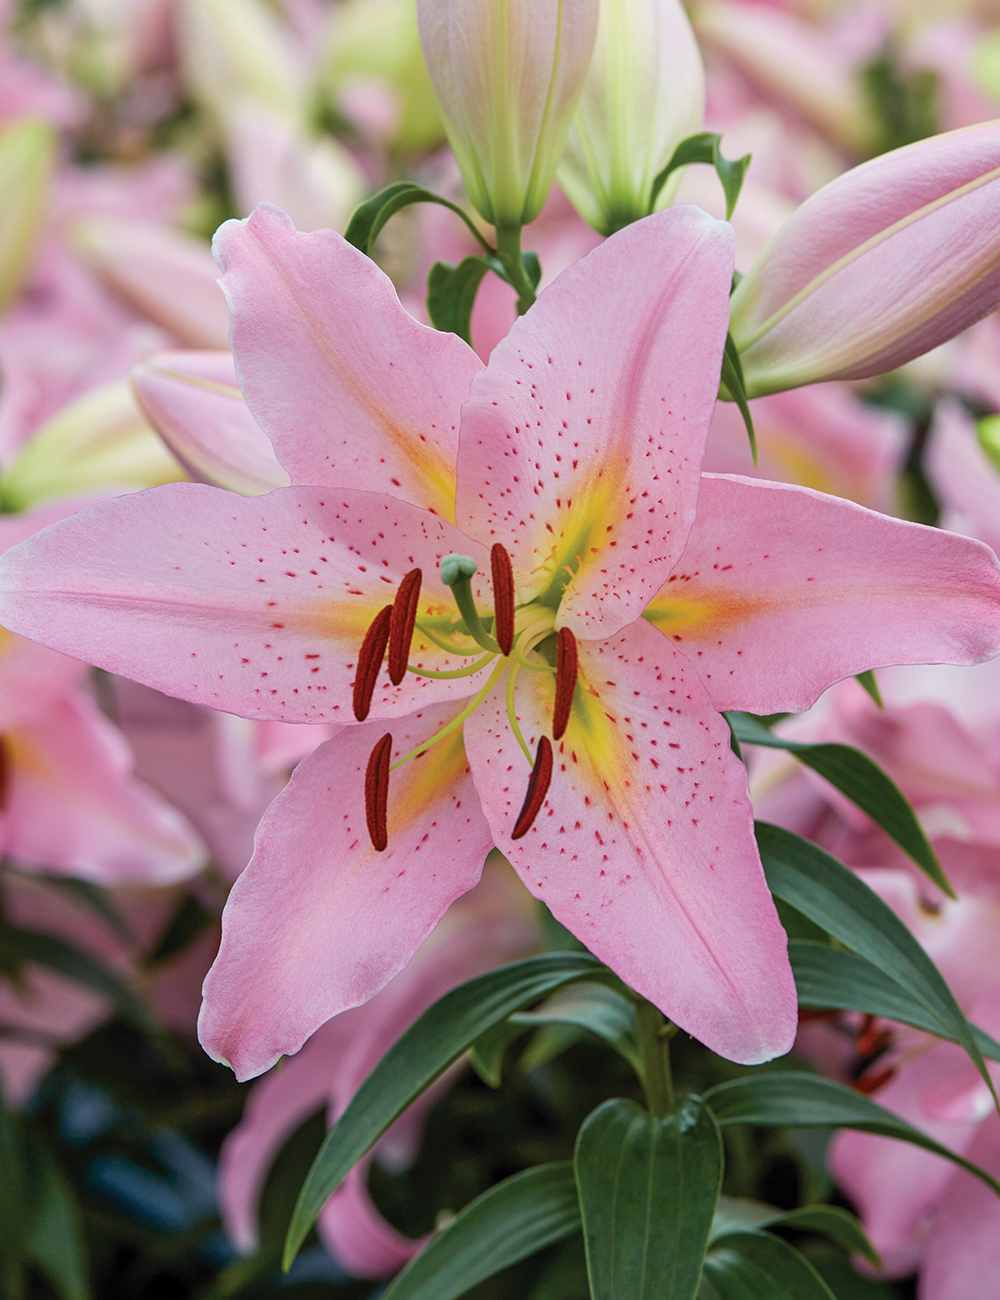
(644, 93)
(507, 77)
(194, 401)
(378, 41)
(878, 267)
(167, 277)
(99, 442)
(27, 149)
(316, 181)
(237, 49)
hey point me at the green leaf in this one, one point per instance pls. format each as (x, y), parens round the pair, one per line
(429, 1046)
(704, 148)
(55, 1243)
(737, 1215)
(19, 946)
(831, 977)
(368, 219)
(15, 1209)
(648, 1188)
(832, 896)
(736, 390)
(451, 295)
(863, 782)
(790, 1099)
(189, 919)
(755, 1266)
(511, 1221)
(867, 682)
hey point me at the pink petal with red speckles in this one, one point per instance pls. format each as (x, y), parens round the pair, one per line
(193, 401)
(258, 606)
(644, 848)
(319, 921)
(581, 444)
(782, 591)
(350, 389)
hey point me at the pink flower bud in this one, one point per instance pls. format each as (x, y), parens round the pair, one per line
(507, 77)
(878, 267)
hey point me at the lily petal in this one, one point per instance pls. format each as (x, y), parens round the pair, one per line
(783, 591)
(350, 389)
(253, 605)
(963, 1250)
(582, 441)
(319, 921)
(644, 848)
(194, 402)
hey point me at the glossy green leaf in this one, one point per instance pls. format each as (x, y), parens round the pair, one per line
(19, 946)
(832, 896)
(511, 1221)
(860, 780)
(648, 1189)
(451, 295)
(368, 219)
(735, 389)
(867, 682)
(831, 977)
(704, 148)
(755, 1266)
(830, 1221)
(55, 1241)
(440, 1036)
(790, 1099)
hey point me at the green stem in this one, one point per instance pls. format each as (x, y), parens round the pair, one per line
(509, 256)
(654, 1039)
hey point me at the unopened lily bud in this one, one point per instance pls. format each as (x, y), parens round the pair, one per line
(237, 49)
(507, 76)
(100, 442)
(644, 93)
(165, 276)
(27, 149)
(878, 267)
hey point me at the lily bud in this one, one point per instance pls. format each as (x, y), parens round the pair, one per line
(878, 267)
(27, 149)
(100, 442)
(165, 276)
(507, 77)
(644, 94)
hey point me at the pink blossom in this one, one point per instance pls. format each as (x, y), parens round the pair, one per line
(490, 925)
(578, 451)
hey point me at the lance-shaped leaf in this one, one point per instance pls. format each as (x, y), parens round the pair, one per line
(830, 1221)
(733, 386)
(511, 1221)
(366, 224)
(55, 1243)
(831, 977)
(704, 148)
(429, 1046)
(754, 1266)
(451, 294)
(855, 775)
(830, 894)
(797, 1100)
(648, 1188)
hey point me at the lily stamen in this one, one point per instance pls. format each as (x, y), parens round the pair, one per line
(377, 793)
(370, 658)
(566, 670)
(538, 788)
(503, 598)
(402, 623)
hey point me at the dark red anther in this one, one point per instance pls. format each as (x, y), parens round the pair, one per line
(402, 623)
(503, 598)
(868, 1037)
(370, 659)
(377, 793)
(566, 664)
(538, 788)
(869, 1083)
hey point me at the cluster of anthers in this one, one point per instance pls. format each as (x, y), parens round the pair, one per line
(515, 637)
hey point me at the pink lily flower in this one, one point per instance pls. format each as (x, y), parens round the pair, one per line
(491, 925)
(578, 460)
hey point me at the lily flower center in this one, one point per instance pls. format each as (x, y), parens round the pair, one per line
(513, 638)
